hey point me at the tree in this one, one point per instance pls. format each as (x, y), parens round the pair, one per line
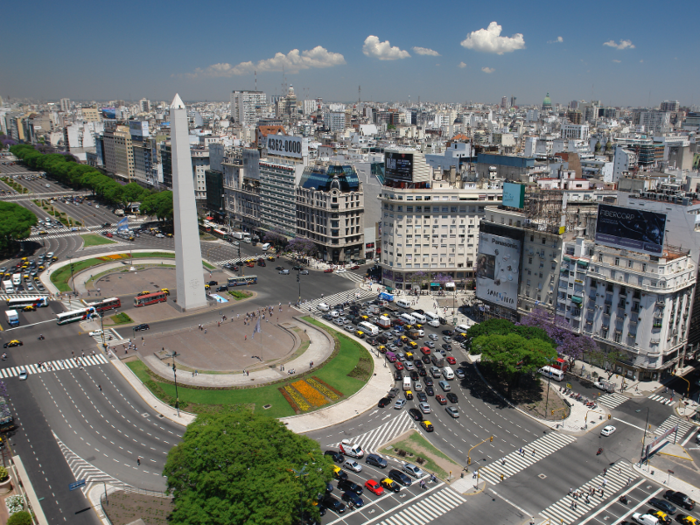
(302, 245)
(276, 237)
(15, 223)
(20, 518)
(419, 278)
(238, 467)
(504, 327)
(158, 204)
(513, 355)
(132, 193)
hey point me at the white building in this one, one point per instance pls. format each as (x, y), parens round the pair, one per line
(245, 106)
(335, 121)
(575, 131)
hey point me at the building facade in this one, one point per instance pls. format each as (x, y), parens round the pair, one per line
(245, 105)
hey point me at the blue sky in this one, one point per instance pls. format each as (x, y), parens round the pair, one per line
(622, 53)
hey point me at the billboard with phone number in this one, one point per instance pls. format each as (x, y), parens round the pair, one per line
(631, 229)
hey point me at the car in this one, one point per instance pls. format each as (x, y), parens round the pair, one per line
(399, 404)
(448, 332)
(22, 374)
(607, 430)
(422, 398)
(107, 225)
(413, 470)
(424, 407)
(410, 366)
(304, 272)
(427, 425)
(429, 391)
(374, 487)
(425, 359)
(297, 267)
(279, 268)
(452, 397)
(29, 307)
(390, 485)
(383, 402)
(445, 386)
(435, 371)
(352, 465)
(328, 270)
(400, 477)
(661, 516)
(414, 375)
(14, 342)
(375, 460)
(141, 327)
(460, 373)
(686, 520)
(679, 499)
(451, 360)
(349, 486)
(441, 399)
(447, 346)
(453, 411)
(645, 519)
(353, 498)
(330, 502)
(145, 292)
(398, 375)
(355, 267)
(284, 272)
(95, 333)
(415, 414)
(339, 473)
(336, 456)
(428, 381)
(329, 488)
(663, 505)
(398, 365)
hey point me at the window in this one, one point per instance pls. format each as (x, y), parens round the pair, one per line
(617, 261)
(600, 257)
(629, 263)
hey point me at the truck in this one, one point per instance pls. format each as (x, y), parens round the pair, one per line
(383, 321)
(373, 309)
(17, 279)
(386, 297)
(414, 334)
(437, 360)
(7, 286)
(119, 213)
(12, 317)
(241, 236)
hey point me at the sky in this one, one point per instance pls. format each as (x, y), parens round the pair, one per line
(621, 53)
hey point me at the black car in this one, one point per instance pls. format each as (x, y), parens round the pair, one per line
(419, 311)
(662, 505)
(443, 321)
(331, 503)
(348, 486)
(429, 390)
(399, 477)
(393, 393)
(415, 414)
(398, 375)
(141, 327)
(383, 402)
(107, 225)
(428, 381)
(680, 499)
(297, 267)
(329, 488)
(377, 461)
(383, 340)
(279, 268)
(414, 375)
(223, 288)
(328, 317)
(422, 372)
(452, 397)
(337, 456)
(419, 364)
(354, 498)
(372, 342)
(447, 332)
(447, 347)
(213, 283)
(425, 359)
(422, 397)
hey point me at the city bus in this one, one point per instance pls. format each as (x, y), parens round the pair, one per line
(76, 315)
(243, 280)
(151, 298)
(106, 304)
(37, 302)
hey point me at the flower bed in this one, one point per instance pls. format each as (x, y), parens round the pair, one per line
(298, 399)
(289, 400)
(325, 389)
(14, 504)
(309, 393)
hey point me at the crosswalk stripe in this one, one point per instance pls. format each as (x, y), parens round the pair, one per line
(352, 277)
(672, 421)
(32, 370)
(371, 441)
(4, 374)
(661, 399)
(340, 297)
(611, 401)
(50, 366)
(426, 510)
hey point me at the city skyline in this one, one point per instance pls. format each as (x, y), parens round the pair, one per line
(472, 53)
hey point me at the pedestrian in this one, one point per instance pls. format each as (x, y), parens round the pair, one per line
(533, 452)
(503, 461)
(138, 460)
(100, 387)
(246, 338)
(605, 471)
(192, 373)
(629, 480)
(196, 372)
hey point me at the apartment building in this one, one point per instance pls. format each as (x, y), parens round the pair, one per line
(245, 106)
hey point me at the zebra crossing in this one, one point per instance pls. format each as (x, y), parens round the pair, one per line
(683, 426)
(59, 364)
(7, 297)
(235, 260)
(59, 233)
(81, 469)
(372, 441)
(532, 453)
(611, 401)
(352, 277)
(661, 399)
(427, 509)
(355, 294)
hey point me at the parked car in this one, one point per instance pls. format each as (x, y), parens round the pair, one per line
(375, 460)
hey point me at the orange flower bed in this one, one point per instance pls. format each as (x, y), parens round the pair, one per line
(298, 398)
(310, 394)
(322, 388)
(289, 400)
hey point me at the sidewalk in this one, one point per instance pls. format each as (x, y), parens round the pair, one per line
(668, 480)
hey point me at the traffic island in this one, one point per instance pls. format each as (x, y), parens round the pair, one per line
(412, 447)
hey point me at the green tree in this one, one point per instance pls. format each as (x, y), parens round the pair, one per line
(132, 193)
(239, 468)
(158, 204)
(20, 518)
(505, 327)
(15, 223)
(513, 355)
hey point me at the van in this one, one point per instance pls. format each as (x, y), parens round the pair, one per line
(407, 319)
(406, 383)
(461, 328)
(391, 356)
(403, 304)
(266, 246)
(432, 316)
(447, 373)
(552, 373)
(323, 307)
(419, 317)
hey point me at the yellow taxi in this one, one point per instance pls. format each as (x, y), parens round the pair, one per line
(54, 258)
(29, 308)
(427, 425)
(418, 326)
(206, 286)
(145, 292)
(408, 327)
(360, 334)
(41, 267)
(166, 291)
(404, 339)
(409, 394)
(364, 318)
(43, 232)
(413, 344)
(663, 517)
(14, 342)
(686, 520)
(24, 259)
(390, 484)
(382, 349)
(26, 276)
(270, 258)
(409, 355)
(36, 278)
(339, 473)
(9, 275)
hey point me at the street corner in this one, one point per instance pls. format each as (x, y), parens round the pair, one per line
(467, 485)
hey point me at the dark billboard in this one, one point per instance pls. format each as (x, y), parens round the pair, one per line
(631, 229)
(398, 166)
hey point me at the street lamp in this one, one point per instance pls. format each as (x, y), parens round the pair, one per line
(299, 283)
(549, 383)
(177, 396)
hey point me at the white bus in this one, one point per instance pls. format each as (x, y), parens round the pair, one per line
(553, 373)
(37, 302)
(75, 315)
(368, 328)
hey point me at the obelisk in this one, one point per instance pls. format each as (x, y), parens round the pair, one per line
(188, 254)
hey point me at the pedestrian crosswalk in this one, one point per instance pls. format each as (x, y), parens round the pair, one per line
(352, 277)
(683, 426)
(570, 510)
(661, 399)
(83, 470)
(59, 364)
(611, 401)
(427, 509)
(372, 441)
(355, 294)
(521, 459)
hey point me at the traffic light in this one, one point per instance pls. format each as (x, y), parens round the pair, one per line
(491, 439)
(501, 477)
(552, 412)
(609, 416)
(469, 461)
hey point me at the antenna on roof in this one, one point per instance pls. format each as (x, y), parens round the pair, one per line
(359, 94)
(256, 79)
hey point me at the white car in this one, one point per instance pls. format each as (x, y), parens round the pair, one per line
(334, 313)
(95, 333)
(340, 270)
(412, 470)
(22, 375)
(323, 307)
(433, 337)
(607, 430)
(424, 407)
(352, 465)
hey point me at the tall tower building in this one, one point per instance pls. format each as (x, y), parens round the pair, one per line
(244, 105)
(188, 254)
(65, 104)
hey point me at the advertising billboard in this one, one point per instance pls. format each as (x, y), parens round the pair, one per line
(630, 229)
(286, 146)
(498, 270)
(398, 166)
(514, 195)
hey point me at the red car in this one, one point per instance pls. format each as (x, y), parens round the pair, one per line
(374, 487)
(109, 234)
(356, 267)
(451, 360)
(398, 365)
(328, 270)
(425, 350)
(441, 399)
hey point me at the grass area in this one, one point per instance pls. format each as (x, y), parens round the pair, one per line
(416, 446)
(121, 318)
(335, 372)
(208, 266)
(91, 239)
(239, 295)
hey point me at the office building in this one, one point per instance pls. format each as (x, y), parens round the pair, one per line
(242, 189)
(575, 131)
(670, 105)
(335, 121)
(145, 105)
(653, 121)
(246, 105)
(118, 150)
(65, 104)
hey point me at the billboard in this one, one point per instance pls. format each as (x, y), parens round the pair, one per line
(286, 146)
(631, 229)
(398, 166)
(498, 270)
(513, 195)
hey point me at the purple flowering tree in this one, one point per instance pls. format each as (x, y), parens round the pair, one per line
(442, 279)
(571, 346)
(276, 237)
(418, 278)
(302, 245)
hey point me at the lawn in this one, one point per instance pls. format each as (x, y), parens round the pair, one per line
(416, 446)
(350, 357)
(121, 318)
(95, 240)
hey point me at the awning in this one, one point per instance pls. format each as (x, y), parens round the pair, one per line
(210, 218)
(567, 258)
(576, 299)
(583, 264)
(434, 284)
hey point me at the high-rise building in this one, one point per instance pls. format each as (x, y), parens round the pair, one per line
(145, 105)
(245, 106)
(118, 150)
(575, 131)
(513, 100)
(574, 116)
(504, 102)
(335, 121)
(91, 114)
(65, 104)
(653, 121)
(670, 105)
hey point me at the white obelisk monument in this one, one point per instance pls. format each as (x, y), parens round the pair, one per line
(188, 254)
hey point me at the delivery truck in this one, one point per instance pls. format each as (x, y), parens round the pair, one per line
(12, 317)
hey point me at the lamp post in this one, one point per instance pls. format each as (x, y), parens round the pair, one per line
(299, 283)
(549, 383)
(177, 396)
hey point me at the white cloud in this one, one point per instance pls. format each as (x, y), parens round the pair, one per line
(382, 50)
(559, 40)
(461, 65)
(489, 40)
(641, 61)
(426, 51)
(488, 70)
(624, 44)
(617, 61)
(292, 62)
